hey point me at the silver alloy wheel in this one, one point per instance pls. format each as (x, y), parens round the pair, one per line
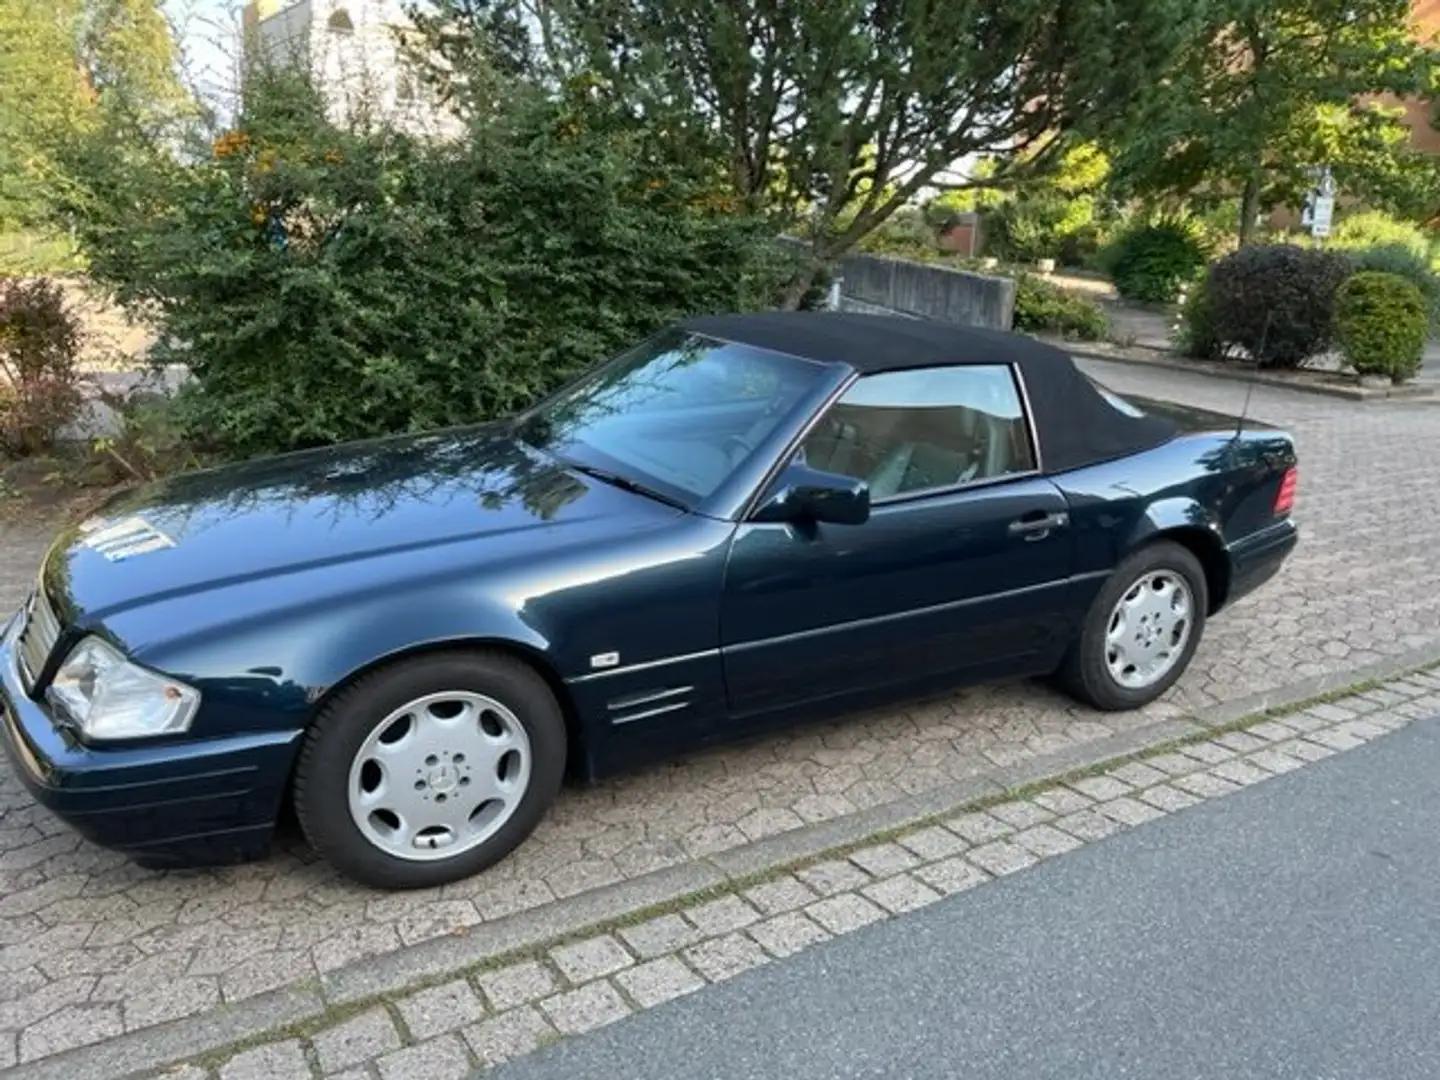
(1149, 629)
(439, 775)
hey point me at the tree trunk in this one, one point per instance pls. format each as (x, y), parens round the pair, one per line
(1249, 206)
(800, 284)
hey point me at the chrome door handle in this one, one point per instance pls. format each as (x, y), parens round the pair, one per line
(1033, 528)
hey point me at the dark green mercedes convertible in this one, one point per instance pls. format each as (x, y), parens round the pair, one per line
(741, 523)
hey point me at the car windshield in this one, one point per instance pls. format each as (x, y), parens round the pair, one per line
(673, 417)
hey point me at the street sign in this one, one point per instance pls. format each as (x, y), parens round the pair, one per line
(1322, 210)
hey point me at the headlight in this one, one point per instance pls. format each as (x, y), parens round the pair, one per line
(111, 698)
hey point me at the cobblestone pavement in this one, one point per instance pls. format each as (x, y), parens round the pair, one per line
(91, 946)
(494, 1015)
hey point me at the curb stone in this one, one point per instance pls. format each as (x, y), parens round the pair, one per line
(1409, 689)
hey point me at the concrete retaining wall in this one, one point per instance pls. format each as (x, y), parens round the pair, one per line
(935, 292)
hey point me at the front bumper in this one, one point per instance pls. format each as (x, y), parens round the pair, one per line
(199, 802)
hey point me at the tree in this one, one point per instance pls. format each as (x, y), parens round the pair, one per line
(832, 114)
(64, 62)
(1271, 87)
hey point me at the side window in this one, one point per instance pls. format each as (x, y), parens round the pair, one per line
(909, 431)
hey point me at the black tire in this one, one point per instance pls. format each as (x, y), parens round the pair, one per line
(1084, 673)
(321, 795)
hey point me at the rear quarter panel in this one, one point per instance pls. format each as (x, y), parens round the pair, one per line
(1216, 488)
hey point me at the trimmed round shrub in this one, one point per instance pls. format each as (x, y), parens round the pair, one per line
(1380, 322)
(1277, 302)
(1044, 308)
(1374, 228)
(1402, 260)
(1150, 262)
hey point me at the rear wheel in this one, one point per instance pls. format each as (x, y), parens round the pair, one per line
(1141, 630)
(430, 770)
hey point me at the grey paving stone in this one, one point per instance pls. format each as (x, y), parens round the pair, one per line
(722, 916)
(1045, 841)
(1021, 813)
(1208, 753)
(788, 933)
(843, 913)
(1061, 800)
(1101, 788)
(439, 1009)
(441, 1058)
(510, 1035)
(900, 894)
(1174, 764)
(355, 1041)
(1000, 857)
(1304, 750)
(1362, 729)
(273, 1061)
(1129, 811)
(1335, 738)
(882, 860)
(1240, 771)
(517, 984)
(1088, 825)
(783, 894)
(834, 876)
(658, 936)
(185, 1072)
(71, 1027)
(1328, 713)
(1167, 798)
(1138, 774)
(593, 958)
(979, 827)
(657, 981)
(933, 842)
(723, 957)
(952, 875)
(1240, 741)
(590, 1007)
(1272, 731)
(1206, 785)
(1274, 760)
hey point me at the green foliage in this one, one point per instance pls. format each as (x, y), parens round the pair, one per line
(1150, 262)
(1375, 228)
(1197, 333)
(907, 235)
(40, 339)
(1380, 324)
(1275, 302)
(325, 284)
(1055, 218)
(835, 113)
(1401, 260)
(1269, 87)
(1044, 308)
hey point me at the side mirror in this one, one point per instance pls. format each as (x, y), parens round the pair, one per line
(805, 494)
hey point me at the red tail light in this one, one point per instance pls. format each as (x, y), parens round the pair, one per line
(1285, 497)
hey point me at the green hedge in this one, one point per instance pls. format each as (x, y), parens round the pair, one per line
(1380, 322)
(1043, 308)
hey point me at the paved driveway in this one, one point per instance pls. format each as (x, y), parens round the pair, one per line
(91, 946)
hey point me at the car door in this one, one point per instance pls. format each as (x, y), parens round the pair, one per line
(962, 567)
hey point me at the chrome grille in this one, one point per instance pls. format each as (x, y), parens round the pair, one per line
(37, 639)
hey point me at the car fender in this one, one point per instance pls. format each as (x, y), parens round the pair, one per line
(1173, 514)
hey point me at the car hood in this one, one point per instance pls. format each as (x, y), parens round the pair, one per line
(469, 497)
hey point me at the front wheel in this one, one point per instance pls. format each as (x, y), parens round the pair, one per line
(1141, 630)
(430, 770)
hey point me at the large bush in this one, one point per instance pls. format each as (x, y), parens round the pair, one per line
(1043, 308)
(40, 339)
(1275, 302)
(1402, 260)
(1151, 261)
(325, 284)
(1373, 228)
(1197, 334)
(1380, 322)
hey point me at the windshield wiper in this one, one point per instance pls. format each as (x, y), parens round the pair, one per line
(616, 480)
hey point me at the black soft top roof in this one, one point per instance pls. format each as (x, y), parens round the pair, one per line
(1075, 424)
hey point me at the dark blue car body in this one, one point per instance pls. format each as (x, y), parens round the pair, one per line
(658, 628)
